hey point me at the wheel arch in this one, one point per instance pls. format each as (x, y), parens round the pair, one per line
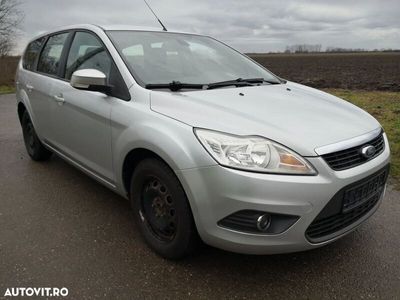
(23, 104)
(175, 145)
(132, 159)
(21, 109)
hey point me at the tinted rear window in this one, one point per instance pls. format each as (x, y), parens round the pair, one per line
(31, 53)
(50, 58)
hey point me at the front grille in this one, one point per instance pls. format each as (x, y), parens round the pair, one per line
(349, 158)
(347, 206)
(361, 193)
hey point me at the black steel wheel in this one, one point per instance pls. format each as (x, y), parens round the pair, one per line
(34, 147)
(162, 211)
(157, 207)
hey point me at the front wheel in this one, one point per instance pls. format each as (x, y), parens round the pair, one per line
(162, 211)
(34, 147)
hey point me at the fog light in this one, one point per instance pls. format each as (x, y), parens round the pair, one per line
(263, 222)
(258, 222)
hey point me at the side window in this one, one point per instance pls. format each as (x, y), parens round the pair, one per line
(87, 52)
(31, 53)
(49, 60)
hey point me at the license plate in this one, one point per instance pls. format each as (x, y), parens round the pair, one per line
(356, 196)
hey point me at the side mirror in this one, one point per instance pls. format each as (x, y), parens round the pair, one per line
(90, 80)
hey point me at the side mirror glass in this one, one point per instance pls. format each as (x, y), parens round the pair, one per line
(90, 80)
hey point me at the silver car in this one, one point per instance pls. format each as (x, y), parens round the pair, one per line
(205, 143)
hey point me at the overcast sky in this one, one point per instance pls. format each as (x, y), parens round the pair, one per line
(248, 25)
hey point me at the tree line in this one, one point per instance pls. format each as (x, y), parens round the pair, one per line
(315, 48)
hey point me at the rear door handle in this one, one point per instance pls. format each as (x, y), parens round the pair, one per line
(29, 87)
(59, 99)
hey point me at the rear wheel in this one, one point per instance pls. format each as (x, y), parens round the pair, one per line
(34, 147)
(162, 211)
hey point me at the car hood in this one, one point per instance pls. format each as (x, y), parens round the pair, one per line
(299, 117)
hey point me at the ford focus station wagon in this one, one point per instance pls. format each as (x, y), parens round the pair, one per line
(205, 143)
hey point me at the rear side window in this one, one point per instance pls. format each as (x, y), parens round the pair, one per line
(31, 53)
(49, 60)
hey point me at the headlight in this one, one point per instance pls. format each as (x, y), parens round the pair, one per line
(252, 153)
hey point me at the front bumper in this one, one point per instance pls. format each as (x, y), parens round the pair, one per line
(215, 192)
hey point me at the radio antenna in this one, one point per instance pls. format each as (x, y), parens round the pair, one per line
(162, 25)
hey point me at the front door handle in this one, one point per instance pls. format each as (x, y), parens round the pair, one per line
(59, 99)
(29, 87)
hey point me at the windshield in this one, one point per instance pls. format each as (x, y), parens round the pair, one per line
(159, 57)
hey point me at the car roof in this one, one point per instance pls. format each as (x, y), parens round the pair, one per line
(95, 28)
(129, 27)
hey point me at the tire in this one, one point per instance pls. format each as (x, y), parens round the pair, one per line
(34, 147)
(161, 210)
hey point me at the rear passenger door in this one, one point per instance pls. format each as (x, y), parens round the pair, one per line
(81, 119)
(39, 83)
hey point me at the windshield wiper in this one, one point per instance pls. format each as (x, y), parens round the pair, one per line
(240, 82)
(177, 85)
(174, 86)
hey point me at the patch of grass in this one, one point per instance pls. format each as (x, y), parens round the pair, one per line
(7, 89)
(385, 107)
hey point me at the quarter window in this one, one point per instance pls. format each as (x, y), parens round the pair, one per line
(31, 53)
(49, 61)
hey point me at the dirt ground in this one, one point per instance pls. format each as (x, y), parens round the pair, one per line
(364, 71)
